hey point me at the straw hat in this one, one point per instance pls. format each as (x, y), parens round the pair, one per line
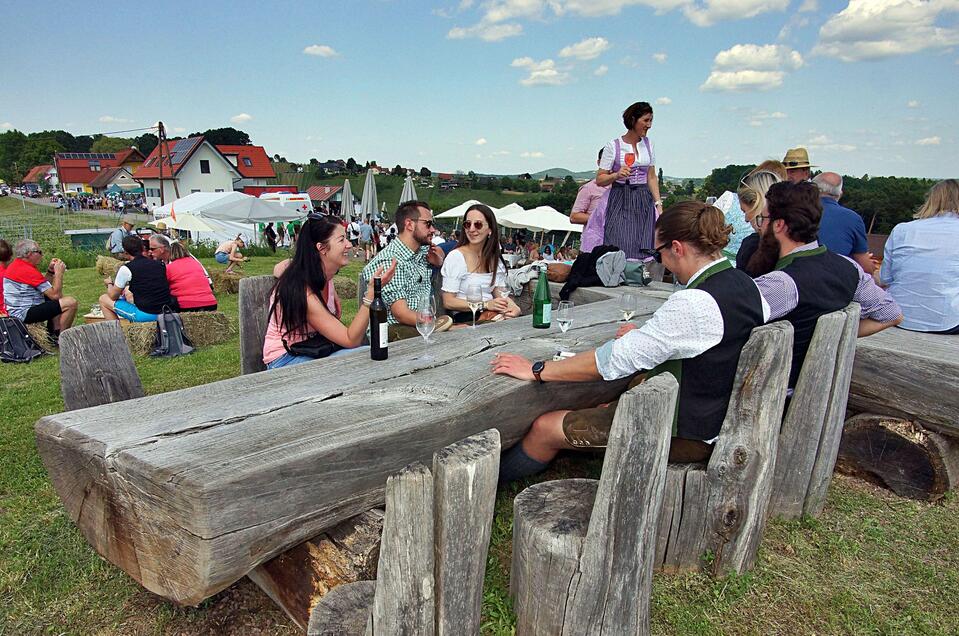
(797, 158)
(129, 218)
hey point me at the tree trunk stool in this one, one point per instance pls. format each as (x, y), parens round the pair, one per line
(254, 307)
(583, 550)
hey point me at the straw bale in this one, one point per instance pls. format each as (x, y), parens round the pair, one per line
(38, 331)
(226, 283)
(107, 266)
(203, 328)
(345, 287)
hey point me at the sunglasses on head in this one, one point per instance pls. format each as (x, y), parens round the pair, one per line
(476, 225)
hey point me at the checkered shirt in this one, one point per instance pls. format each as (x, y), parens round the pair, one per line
(412, 280)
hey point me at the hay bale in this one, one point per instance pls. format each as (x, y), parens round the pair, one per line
(203, 328)
(107, 266)
(226, 283)
(38, 331)
(345, 287)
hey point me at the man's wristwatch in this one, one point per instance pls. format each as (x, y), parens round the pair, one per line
(538, 369)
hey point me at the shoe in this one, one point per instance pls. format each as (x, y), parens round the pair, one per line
(443, 323)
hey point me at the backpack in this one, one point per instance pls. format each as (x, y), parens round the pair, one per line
(16, 345)
(170, 340)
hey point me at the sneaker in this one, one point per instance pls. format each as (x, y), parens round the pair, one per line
(443, 323)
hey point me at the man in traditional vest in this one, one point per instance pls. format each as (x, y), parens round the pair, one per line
(805, 280)
(697, 335)
(140, 290)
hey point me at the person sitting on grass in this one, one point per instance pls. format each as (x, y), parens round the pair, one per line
(228, 253)
(304, 300)
(140, 291)
(189, 281)
(32, 297)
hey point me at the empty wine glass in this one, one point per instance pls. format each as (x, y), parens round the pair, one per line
(474, 298)
(628, 306)
(564, 314)
(426, 323)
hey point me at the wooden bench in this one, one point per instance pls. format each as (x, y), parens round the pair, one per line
(433, 553)
(583, 550)
(719, 508)
(812, 428)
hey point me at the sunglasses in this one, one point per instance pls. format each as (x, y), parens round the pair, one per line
(476, 225)
(429, 223)
(40, 252)
(656, 252)
(795, 164)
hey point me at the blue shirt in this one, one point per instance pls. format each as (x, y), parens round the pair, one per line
(116, 240)
(921, 266)
(841, 229)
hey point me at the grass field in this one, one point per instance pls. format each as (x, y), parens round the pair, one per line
(872, 564)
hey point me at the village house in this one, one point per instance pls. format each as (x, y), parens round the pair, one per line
(77, 170)
(121, 177)
(45, 172)
(195, 165)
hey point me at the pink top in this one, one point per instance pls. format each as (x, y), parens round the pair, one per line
(189, 284)
(591, 198)
(273, 341)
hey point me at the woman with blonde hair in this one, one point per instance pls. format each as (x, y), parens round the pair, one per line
(920, 263)
(752, 200)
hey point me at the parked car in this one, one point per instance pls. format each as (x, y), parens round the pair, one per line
(31, 190)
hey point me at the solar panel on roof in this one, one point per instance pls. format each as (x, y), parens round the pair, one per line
(182, 149)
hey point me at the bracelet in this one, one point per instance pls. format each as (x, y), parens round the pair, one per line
(659, 202)
(367, 301)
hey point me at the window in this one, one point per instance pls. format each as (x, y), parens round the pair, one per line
(204, 166)
(153, 192)
(219, 190)
(247, 162)
(94, 166)
(192, 191)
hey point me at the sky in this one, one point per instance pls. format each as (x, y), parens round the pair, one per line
(504, 86)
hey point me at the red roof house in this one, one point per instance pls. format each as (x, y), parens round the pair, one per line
(36, 173)
(251, 161)
(76, 170)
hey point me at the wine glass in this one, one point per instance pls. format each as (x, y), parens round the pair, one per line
(564, 314)
(474, 298)
(630, 159)
(628, 305)
(426, 323)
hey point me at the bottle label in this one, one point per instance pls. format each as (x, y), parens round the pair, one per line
(384, 336)
(547, 312)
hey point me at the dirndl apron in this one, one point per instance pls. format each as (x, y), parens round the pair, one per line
(630, 212)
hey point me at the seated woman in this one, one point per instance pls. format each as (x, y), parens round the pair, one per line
(304, 302)
(189, 281)
(752, 200)
(477, 261)
(228, 253)
(547, 254)
(921, 263)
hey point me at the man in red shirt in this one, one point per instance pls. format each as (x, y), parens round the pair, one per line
(32, 297)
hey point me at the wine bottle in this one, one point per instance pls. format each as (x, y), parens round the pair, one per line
(379, 331)
(542, 303)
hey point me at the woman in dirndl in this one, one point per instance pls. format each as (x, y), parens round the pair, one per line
(629, 164)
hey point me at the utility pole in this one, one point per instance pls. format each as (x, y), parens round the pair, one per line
(161, 139)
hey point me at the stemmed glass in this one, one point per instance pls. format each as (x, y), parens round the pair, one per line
(564, 314)
(628, 305)
(474, 298)
(426, 321)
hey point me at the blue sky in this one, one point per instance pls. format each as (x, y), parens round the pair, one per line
(505, 86)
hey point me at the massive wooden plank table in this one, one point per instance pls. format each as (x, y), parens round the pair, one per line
(188, 491)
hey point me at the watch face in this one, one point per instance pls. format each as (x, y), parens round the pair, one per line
(538, 366)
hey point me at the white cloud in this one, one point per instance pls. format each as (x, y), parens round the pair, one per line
(540, 73)
(929, 141)
(874, 29)
(110, 119)
(500, 153)
(594, 8)
(913, 103)
(759, 117)
(320, 50)
(823, 142)
(465, 4)
(588, 49)
(242, 118)
(486, 32)
(809, 6)
(751, 67)
(601, 70)
(481, 141)
(664, 101)
(535, 154)
(179, 129)
(6, 125)
(710, 12)
(630, 61)
(660, 57)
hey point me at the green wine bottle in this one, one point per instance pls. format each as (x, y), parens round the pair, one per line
(542, 303)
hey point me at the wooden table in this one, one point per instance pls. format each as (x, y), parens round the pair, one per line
(188, 491)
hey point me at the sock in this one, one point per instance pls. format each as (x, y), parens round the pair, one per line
(515, 464)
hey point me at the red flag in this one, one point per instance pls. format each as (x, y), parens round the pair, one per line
(172, 213)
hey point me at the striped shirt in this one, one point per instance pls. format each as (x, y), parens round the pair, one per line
(412, 280)
(23, 287)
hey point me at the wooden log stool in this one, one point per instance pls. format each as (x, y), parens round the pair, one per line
(254, 307)
(719, 508)
(583, 550)
(96, 366)
(812, 429)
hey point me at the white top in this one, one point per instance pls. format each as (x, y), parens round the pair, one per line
(122, 279)
(457, 279)
(643, 158)
(686, 325)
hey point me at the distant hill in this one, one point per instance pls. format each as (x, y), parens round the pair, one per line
(560, 173)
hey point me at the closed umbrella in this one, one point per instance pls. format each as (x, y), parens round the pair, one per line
(370, 205)
(346, 206)
(409, 192)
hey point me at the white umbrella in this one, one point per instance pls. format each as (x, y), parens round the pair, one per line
(370, 205)
(409, 192)
(539, 219)
(186, 223)
(346, 206)
(234, 207)
(459, 210)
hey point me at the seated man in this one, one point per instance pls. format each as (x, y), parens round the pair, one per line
(414, 253)
(697, 335)
(140, 290)
(805, 280)
(127, 222)
(33, 297)
(841, 230)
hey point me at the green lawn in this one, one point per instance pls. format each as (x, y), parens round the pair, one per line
(872, 564)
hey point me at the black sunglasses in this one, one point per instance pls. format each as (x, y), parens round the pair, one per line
(656, 252)
(477, 225)
(429, 223)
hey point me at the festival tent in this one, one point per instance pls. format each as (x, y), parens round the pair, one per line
(409, 192)
(184, 222)
(539, 219)
(228, 213)
(370, 206)
(346, 207)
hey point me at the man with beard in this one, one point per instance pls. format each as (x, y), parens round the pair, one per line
(804, 280)
(411, 284)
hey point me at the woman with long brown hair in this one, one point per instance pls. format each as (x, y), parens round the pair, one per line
(477, 261)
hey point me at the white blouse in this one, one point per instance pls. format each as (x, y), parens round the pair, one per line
(458, 279)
